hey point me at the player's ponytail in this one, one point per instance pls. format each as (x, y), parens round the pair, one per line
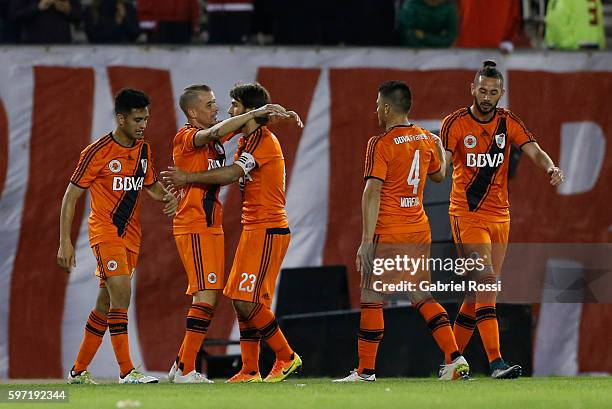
(489, 69)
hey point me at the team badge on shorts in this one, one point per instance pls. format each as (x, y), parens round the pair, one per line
(112, 265)
(469, 141)
(114, 166)
(212, 278)
(500, 140)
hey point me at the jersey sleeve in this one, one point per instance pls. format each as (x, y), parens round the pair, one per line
(376, 160)
(87, 169)
(150, 174)
(447, 134)
(434, 162)
(518, 132)
(187, 139)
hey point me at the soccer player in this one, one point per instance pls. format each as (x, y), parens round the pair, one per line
(115, 168)
(259, 165)
(397, 165)
(198, 230)
(478, 140)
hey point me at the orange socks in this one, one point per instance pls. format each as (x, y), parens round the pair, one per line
(198, 319)
(94, 332)
(371, 330)
(249, 346)
(440, 327)
(118, 327)
(264, 320)
(486, 319)
(465, 324)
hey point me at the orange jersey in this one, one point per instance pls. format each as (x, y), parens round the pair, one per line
(263, 187)
(115, 176)
(401, 158)
(480, 161)
(199, 208)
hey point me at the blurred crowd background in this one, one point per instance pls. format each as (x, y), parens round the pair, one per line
(503, 24)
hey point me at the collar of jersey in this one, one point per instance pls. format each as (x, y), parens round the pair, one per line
(478, 120)
(252, 133)
(123, 146)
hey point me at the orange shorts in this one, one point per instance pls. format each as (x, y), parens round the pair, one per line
(204, 260)
(256, 265)
(480, 238)
(113, 260)
(389, 246)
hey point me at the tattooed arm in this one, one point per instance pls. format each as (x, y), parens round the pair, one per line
(215, 132)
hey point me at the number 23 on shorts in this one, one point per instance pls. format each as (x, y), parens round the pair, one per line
(247, 282)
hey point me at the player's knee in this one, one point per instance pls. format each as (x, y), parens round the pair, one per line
(419, 297)
(243, 308)
(120, 291)
(122, 302)
(207, 296)
(103, 305)
(368, 295)
(103, 301)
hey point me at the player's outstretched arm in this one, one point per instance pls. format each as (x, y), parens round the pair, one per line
(229, 125)
(543, 161)
(158, 192)
(221, 176)
(442, 155)
(65, 253)
(370, 205)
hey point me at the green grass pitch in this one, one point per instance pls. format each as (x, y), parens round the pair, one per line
(296, 393)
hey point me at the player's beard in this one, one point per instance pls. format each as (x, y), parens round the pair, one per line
(481, 110)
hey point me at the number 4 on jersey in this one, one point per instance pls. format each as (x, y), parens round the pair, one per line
(413, 176)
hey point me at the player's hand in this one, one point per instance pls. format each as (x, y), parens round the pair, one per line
(272, 110)
(288, 115)
(174, 177)
(556, 176)
(296, 118)
(65, 256)
(365, 257)
(171, 203)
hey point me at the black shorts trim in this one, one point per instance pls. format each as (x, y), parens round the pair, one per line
(278, 230)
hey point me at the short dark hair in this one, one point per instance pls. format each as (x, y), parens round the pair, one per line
(489, 70)
(252, 96)
(128, 99)
(398, 94)
(190, 94)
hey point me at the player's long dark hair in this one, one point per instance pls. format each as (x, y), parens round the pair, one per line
(252, 96)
